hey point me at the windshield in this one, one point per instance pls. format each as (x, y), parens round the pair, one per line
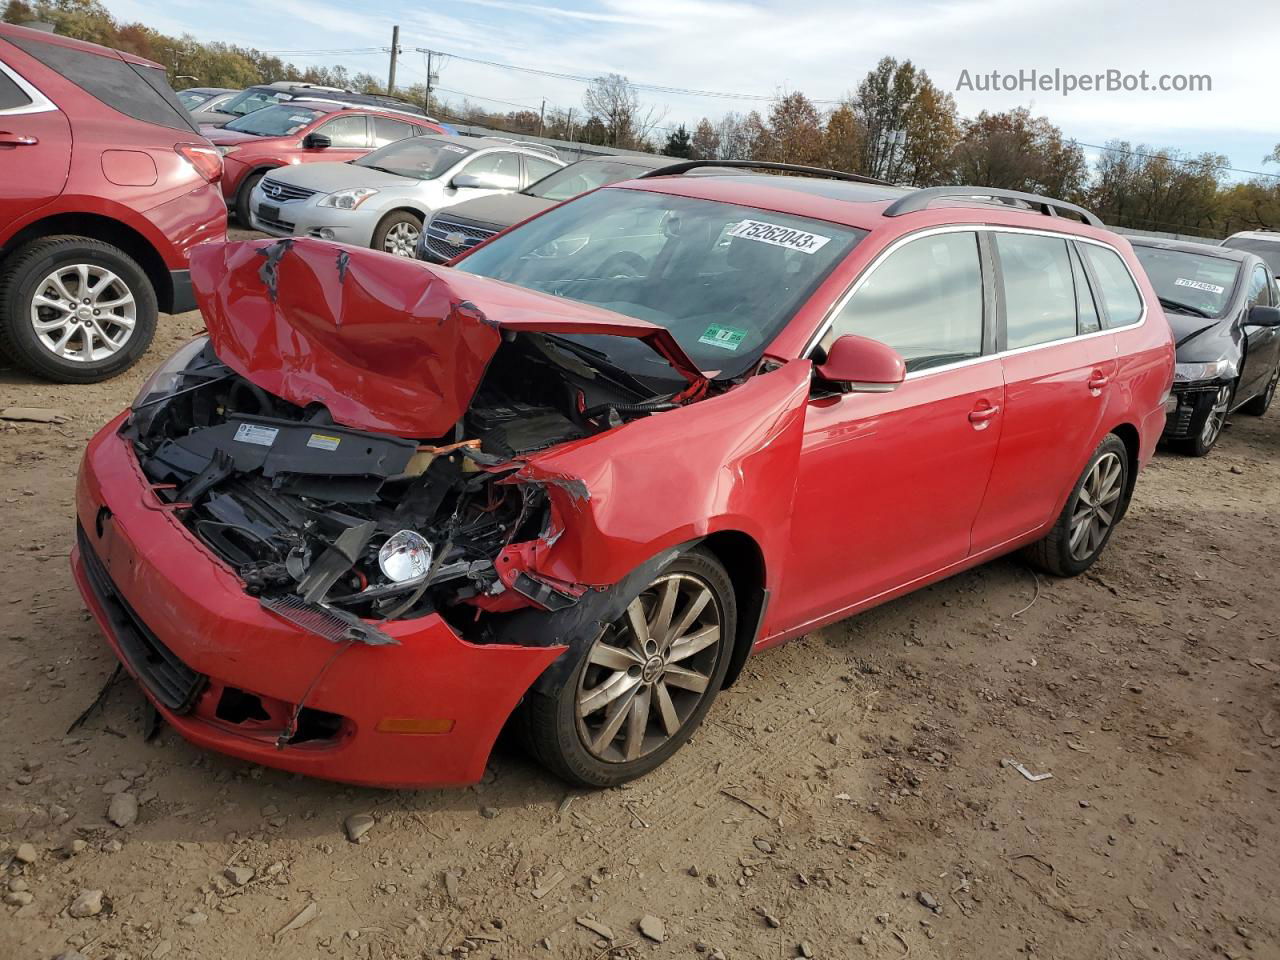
(1268, 250)
(578, 178)
(1202, 283)
(419, 158)
(723, 279)
(191, 99)
(278, 121)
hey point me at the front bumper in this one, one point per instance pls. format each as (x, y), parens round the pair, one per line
(182, 625)
(1189, 405)
(304, 218)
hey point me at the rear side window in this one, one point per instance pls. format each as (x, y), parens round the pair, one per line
(1039, 289)
(1115, 285)
(536, 168)
(1088, 320)
(11, 95)
(924, 300)
(134, 90)
(386, 130)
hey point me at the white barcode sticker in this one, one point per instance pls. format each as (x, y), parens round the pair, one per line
(253, 433)
(1199, 285)
(780, 236)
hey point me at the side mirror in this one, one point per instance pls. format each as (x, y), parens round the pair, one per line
(1260, 316)
(863, 365)
(316, 141)
(475, 181)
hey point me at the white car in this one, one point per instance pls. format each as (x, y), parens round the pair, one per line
(382, 199)
(1265, 243)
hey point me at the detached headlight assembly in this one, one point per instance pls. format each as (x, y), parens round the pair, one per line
(347, 199)
(1223, 369)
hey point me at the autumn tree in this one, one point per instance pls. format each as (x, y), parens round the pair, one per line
(1152, 189)
(843, 139)
(910, 125)
(1016, 151)
(706, 141)
(733, 138)
(795, 131)
(757, 142)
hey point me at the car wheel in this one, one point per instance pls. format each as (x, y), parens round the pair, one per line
(243, 195)
(1086, 523)
(1261, 403)
(398, 233)
(642, 687)
(75, 310)
(1208, 429)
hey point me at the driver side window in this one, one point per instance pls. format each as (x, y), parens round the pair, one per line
(1260, 287)
(924, 300)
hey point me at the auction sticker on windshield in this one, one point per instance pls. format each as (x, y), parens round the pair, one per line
(726, 338)
(780, 236)
(1199, 285)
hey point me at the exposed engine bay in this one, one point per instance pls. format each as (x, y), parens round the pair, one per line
(333, 527)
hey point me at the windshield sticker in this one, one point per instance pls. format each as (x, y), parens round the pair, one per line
(726, 338)
(1199, 285)
(252, 433)
(299, 119)
(324, 442)
(454, 148)
(780, 236)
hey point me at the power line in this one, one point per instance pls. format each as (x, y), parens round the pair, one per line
(1169, 159)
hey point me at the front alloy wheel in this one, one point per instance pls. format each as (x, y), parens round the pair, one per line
(1215, 418)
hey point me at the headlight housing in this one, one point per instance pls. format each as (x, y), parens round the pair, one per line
(1221, 369)
(348, 199)
(168, 377)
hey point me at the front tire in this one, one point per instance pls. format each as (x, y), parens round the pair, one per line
(639, 690)
(397, 233)
(1209, 429)
(75, 310)
(1093, 510)
(243, 196)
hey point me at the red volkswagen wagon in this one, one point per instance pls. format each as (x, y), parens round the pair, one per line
(571, 482)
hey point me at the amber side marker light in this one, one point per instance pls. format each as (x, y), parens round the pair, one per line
(414, 725)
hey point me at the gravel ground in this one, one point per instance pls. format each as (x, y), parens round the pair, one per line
(846, 799)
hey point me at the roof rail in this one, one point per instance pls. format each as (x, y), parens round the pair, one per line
(920, 200)
(684, 166)
(527, 144)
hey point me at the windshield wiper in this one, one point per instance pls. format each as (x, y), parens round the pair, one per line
(602, 360)
(1184, 308)
(370, 166)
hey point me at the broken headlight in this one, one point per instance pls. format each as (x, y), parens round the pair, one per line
(405, 556)
(1192, 372)
(168, 377)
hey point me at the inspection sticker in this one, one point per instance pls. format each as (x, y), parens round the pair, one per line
(780, 236)
(726, 338)
(1199, 285)
(252, 433)
(323, 441)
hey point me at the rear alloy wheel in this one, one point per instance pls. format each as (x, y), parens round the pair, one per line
(642, 687)
(1094, 508)
(1261, 403)
(1215, 418)
(398, 234)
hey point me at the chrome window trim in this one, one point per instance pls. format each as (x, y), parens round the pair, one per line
(39, 102)
(829, 320)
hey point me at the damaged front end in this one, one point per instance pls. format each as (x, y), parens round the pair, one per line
(349, 439)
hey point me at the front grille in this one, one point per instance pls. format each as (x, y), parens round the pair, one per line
(441, 227)
(284, 226)
(170, 681)
(278, 192)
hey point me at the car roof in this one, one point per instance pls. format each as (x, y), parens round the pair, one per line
(1255, 235)
(1188, 246)
(10, 31)
(213, 90)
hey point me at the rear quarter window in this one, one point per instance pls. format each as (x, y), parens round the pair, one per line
(1119, 293)
(134, 90)
(11, 95)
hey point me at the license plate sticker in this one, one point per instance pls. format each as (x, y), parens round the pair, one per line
(253, 433)
(726, 338)
(1199, 285)
(322, 441)
(779, 236)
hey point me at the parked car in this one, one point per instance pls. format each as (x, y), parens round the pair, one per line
(386, 504)
(205, 98)
(1224, 311)
(263, 95)
(1264, 243)
(105, 187)
(303, 132)
(381, 201)
(472, 222)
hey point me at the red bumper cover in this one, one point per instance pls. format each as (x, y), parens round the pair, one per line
(193, 608)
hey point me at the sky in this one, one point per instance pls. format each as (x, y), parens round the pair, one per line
(819, 47)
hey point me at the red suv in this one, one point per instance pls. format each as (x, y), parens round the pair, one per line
(303, 131)
(105, 187)
(384, 504)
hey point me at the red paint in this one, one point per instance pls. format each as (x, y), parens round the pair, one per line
(859, 360)
(129, 168)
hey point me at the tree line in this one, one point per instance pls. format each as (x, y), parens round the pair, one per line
(897, 125)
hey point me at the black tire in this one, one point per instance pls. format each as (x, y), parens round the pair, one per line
(1262, 403)
(1055, 554)
(242, 197)
(548, 720)
(396, 223)
(1203, 439)
(21, 277)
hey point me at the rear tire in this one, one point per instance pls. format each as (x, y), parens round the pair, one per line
(75, 310)
(1094, 509)
(628, 702)
(243, 195)
(1261, 403)
(397, 234)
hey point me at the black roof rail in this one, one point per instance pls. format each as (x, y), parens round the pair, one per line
(920, 199)
(684, 166)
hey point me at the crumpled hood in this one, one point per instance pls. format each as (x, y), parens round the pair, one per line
(386, 344)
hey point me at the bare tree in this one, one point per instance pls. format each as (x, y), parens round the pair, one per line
(613, 101)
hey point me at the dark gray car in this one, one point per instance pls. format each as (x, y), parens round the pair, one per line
(461, 227)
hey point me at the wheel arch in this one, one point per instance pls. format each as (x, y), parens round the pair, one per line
(743, 560)
(1132, 440)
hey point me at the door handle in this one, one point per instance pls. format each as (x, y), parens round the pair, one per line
(1097, 381)
(8, 139)
(981, 416)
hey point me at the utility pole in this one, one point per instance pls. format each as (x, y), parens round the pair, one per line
(569, 124)
(431, 73)
(542, 116)
(395, 51)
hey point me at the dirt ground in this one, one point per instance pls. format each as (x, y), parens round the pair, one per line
(846, 799)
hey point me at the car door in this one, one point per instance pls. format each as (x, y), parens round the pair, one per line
(35, 147)
(1058, 362)
(889, 483)
(348, 140)
(1262, 343)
